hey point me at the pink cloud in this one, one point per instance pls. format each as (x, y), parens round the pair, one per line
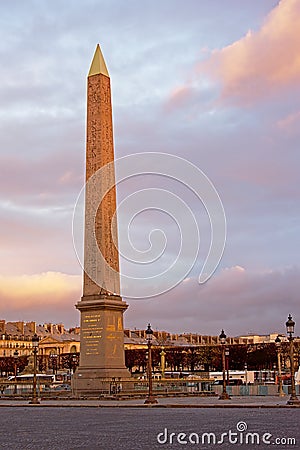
(42, 177)
(262, 62)
(290, 124)
(178, 97)
(41, 297)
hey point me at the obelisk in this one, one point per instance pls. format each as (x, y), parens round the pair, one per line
(101, 331)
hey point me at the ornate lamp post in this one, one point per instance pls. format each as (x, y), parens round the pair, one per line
(224, 395)
(246, 373)
(278, 348)
(290, 326)
(227, 365)
(35, 345)
(16, 356)
(150, 399)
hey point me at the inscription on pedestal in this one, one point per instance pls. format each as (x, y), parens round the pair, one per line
(91, 332)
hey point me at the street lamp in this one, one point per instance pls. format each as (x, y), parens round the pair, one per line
(35, 345)
(278, 348)
(227, 364)
(246, 373)
(16, 356)
(290, 326)
(150, 399)
(224, 395)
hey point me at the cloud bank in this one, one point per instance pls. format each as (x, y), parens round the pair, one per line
(263, 61)
(239, 300)
(233, 112)
(43, 297)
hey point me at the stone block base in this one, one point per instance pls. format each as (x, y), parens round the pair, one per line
(95, 382)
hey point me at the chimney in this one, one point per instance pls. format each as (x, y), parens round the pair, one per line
(60, 328)
(2, 326)
(31, 327)
(20, 326)
(49, 327)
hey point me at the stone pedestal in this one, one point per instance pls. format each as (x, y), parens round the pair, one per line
(102, 358)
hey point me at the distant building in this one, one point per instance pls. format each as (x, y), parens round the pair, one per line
(55, 339)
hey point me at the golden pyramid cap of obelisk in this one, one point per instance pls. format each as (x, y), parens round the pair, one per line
(98, 64)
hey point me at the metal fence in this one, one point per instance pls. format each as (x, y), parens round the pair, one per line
(255, 390)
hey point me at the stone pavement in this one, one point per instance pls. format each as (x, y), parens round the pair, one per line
(170, 402)
(142, 428)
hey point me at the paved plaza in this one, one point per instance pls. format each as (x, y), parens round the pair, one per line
(130, 425)
(129, 428)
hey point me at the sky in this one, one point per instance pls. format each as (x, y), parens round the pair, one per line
(216, 83)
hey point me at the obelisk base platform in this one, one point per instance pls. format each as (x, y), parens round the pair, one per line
(102, 357)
